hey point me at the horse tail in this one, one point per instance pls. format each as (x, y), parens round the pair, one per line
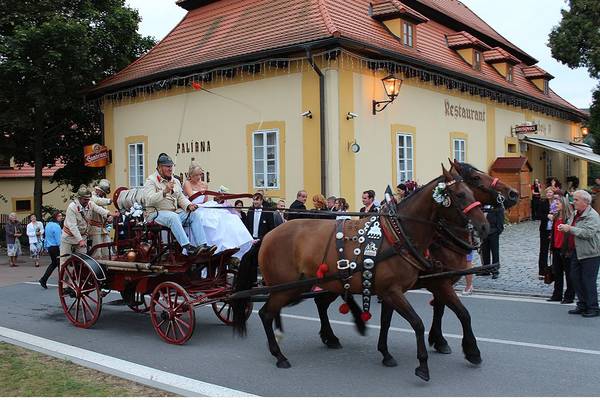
(246, 277)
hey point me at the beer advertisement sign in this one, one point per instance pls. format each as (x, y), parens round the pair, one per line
(96, 155)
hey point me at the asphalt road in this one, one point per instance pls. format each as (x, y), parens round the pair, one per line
(529, 347)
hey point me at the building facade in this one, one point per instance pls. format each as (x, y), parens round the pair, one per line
(279, 96)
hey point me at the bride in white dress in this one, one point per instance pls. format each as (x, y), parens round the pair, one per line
(223, 228)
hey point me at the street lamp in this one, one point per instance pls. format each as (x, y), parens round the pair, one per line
(392, 85)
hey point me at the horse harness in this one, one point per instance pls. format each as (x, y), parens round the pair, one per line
(367, 252)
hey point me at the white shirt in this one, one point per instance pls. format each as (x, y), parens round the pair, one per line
(257, 213)
(32, 229)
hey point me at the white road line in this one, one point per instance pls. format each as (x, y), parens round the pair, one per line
(177, 384)
(37, 283)
(480, 339)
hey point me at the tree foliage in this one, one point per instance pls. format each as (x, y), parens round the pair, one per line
(51, 51)
(576, 43)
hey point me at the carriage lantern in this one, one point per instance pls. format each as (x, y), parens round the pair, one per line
(392, 85)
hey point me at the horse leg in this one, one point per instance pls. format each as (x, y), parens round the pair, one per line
(469, 342)
(397, 299)
(386, 319)
(278, 327)
(323, 300)
(355, 309)
(436, 337)
(268, 312)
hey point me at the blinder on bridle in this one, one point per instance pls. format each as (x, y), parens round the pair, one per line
(476, 181)
(447, 198)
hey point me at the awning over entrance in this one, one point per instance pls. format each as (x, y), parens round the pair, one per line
(578, 150)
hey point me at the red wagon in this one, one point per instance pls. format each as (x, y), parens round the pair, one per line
(149, 271)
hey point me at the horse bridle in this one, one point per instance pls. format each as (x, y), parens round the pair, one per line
(500, 199)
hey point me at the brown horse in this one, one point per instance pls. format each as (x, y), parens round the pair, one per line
(294, 250)
(487, 190)
(452, 256)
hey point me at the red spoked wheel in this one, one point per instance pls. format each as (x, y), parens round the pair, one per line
(223, 311)
(172, 314)
(79, 292)
(141, 302)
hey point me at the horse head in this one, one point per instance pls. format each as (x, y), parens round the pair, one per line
(458, 203)
(487, 189)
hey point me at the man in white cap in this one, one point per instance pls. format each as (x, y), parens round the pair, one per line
(76, 223)
(167, 205)
(99, 225)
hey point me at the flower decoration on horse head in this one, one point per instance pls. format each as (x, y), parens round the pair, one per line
(440, 195)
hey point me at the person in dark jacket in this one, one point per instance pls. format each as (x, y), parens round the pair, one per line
(495, 217)
(545, 231)
(298, 205)
(368, 200)
(259, 222)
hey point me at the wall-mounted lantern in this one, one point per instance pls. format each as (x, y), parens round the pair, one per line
(392, 85)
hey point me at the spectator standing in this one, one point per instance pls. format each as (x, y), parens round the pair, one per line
(331, 203)
(584, 241)
(495, 217)
(35, 233)
(401, 192)
(368, 200)
(52, 244)
(536, 197)
(341, 205)
(240, 212)
(13, 243)
(560, 254)
(553, 183)
(319, 205)
(545, 231)
(468, 290)
(297, 206)
(596, 187)
(279, 215)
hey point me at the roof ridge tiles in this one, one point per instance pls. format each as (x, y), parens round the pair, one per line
(329, 24)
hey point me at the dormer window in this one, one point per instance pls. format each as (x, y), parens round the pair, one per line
(502, 61)
(477, 60)
(538, 77)
(407, 33)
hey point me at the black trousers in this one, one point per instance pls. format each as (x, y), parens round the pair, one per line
(561, 268)
(491, 245)
(535, 204)
(249, 261)
(584, 274)
(544, 248)
(54, 252)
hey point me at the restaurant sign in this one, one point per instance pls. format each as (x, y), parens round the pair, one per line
(96, 155)
(522, 129)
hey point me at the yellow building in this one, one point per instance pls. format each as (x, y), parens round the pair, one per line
(285, 95)
(16, 190)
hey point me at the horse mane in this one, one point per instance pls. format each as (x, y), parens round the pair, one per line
(467, 168)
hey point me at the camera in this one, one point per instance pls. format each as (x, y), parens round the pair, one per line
(306, 114)
(351, 115)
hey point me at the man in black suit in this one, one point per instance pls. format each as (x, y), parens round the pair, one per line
(259, 222)
(298, 205)
(545, 231)
(368, 200)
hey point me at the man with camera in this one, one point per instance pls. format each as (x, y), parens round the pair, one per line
(167, 206)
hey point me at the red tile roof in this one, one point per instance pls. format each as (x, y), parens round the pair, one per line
(536, 72)
(227, 31)
(510, 164)
(27, 171)
(498, 54)
(385, 9)
(464, 39)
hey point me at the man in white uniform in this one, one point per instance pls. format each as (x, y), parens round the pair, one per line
(167, 205)
(98, 230)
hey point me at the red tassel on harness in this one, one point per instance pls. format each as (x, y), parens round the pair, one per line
(322, 270)
(196, 85)
(365, 316)
(344, 308)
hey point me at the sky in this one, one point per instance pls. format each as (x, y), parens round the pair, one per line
(526, 23)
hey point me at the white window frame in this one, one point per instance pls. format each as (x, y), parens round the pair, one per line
(477, 60)
(405, 168)
(136, 179)
(509, 73)
(408, 36)
(265, 160)
(456, 152)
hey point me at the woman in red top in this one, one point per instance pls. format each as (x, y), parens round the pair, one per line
(560, 254)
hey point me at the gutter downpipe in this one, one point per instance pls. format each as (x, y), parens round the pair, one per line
(321, 117)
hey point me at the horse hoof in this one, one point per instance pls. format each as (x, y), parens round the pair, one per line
(442, 348)
(389, 361)
(474, 358)
(422, 373)
(361, 327)
(283, 364)
(333, 344)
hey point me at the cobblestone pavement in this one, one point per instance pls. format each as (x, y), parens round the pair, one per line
(519, 247)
